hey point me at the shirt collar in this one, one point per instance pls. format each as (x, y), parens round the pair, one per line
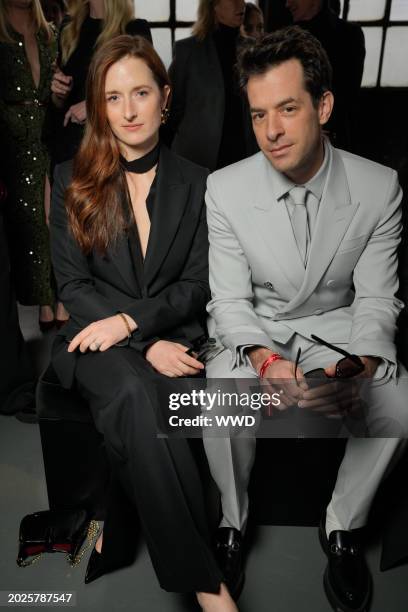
(317, 182)
(283, 184)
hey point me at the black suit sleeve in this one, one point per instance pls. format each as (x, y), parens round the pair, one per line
(76, 286)
(182, 301)
(178, 73)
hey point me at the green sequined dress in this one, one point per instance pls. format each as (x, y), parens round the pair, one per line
(24, 164)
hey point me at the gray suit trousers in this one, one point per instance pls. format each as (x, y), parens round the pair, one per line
(366, 460)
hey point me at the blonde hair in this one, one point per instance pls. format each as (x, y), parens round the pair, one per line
(118, 13)
(40, 22)
(205, 19)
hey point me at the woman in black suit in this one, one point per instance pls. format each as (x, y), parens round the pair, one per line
(129, 248)
(209, 121)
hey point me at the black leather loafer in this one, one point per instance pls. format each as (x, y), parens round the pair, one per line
(347, 580)
(229, 555)
(95, 568)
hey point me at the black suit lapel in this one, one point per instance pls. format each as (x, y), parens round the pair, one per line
(120, 257)
(171, 198)
(212, 67)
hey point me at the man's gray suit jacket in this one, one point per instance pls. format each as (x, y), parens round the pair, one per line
(261, 292)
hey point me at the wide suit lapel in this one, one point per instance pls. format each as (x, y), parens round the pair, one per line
(172, 193)
(273, 226)
(119, 256)
(210, 68)
(336, 211)
(170, 201)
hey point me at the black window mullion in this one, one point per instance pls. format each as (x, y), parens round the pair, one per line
(383, 23)
(386, 22)
(171, 23)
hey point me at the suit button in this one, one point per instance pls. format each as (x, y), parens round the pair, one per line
(330, 283)
(318, 311)
(268, 285)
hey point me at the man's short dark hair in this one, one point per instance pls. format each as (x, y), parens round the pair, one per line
(257, 57)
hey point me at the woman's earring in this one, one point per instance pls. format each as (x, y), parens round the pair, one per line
(164, 115)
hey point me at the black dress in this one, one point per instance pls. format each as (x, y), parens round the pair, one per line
(24, 165)
(166, 295)
(63, 142)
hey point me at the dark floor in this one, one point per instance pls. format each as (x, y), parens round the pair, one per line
(284, 569)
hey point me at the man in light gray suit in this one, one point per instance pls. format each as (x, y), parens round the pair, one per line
(303, 240)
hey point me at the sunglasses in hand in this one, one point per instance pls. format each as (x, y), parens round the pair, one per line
(349, 366)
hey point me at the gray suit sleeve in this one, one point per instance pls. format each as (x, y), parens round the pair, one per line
(237, 324)
(376, 307)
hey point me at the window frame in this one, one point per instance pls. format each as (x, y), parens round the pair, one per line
(385, 23)
(171, 23)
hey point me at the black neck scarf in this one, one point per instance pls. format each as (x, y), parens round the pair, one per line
(142, 164)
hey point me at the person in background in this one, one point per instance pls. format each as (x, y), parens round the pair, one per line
(54, 11)
(253, 21)
(27, 50)
(17, 380)
(209, 121)
(335, 6)
(402, 334)
(344, 44)
(88, 25)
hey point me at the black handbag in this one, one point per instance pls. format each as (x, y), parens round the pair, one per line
(49, 531)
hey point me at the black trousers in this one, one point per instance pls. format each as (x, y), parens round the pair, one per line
(158, 474)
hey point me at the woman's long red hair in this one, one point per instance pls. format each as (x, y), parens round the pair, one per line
(93, 200)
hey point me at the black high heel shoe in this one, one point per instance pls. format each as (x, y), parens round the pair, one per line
(95, 568)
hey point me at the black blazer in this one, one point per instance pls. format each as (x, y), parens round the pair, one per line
(194, 129)
(170, 304)
(345, 47)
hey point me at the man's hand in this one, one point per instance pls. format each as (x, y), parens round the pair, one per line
(76, 113)
(280, 370)
(101, 335)
(370, 367)
(170, 359)
(334, 398)
(339, 396)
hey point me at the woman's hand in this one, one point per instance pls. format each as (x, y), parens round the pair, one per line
(76, 113)
(101, 335)
(171, 359)
(61, 84)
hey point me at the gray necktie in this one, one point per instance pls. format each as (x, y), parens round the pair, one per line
(299, 219)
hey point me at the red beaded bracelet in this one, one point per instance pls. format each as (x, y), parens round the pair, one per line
(267, 363)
